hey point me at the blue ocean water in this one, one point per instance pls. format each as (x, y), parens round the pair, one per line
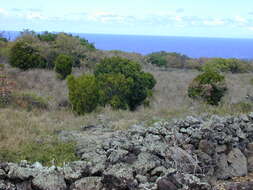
(191, 46)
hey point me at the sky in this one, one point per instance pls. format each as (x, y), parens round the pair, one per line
(197, 18)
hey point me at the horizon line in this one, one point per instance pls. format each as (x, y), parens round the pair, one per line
(117, 34)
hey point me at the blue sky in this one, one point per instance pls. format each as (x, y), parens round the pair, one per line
(208, 18)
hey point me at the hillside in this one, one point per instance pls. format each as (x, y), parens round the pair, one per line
(38, 123)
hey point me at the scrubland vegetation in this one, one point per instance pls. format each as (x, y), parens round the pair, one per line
(112, 88)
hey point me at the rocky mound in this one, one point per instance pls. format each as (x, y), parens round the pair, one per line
(192, 154)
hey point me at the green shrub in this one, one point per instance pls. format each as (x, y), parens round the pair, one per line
(138, 83)
(157, 60)
(116, 65)
(168, 59)
(47, 36)
(228, 65)
(114, 90)
(209, 86)
(72, 46)
(63, 65)
(3, 39)
(24, 56)
(83, 93)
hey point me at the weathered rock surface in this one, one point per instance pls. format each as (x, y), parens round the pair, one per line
(189, 154)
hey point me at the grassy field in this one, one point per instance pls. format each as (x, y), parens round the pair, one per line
(23, 126)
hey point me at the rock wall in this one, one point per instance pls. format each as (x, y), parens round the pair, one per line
(192, 154)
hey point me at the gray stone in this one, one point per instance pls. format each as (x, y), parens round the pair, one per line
(88, 183)
(168, 183)
(232, 165)
(206, 147)
(159, 171)
(26, 185)
(250, 164)
(2, 174)
(183, 160)
(221, 149)
(141, 179)
(37, 165)
(238, 162)
(117, 156)
(251, 115)
(119, 176)
(7, 185)
(76, 170)
(49, 181)
(21, 173)
(145, 162)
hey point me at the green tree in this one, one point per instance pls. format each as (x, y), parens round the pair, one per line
(47, 36)
(83, 93)
(63, 65)
(114, 89)
(24, 56)
(141, 82)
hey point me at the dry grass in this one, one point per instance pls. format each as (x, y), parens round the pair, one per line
(170, 100)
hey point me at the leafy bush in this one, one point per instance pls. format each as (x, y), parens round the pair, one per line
(117, 82)
(209, 86)
(72, 46)
(47, 36)
(228, 65)
(83, 93)
(25, 56)
(137, 83)
(3, 39)
(114, 90)
(167, 59)
(63, 65)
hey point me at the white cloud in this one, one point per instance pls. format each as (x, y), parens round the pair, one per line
(34, 15)
(3, 12)
(106, 17)
(240, 19)
(214, 22)
(250, 28)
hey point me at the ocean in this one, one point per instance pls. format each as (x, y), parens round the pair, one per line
(191, 46)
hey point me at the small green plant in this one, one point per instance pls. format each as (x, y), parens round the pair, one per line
(83, 93)
(24, 56)
(209, 86)
(49, 153)
(63, 65)
(30, 101)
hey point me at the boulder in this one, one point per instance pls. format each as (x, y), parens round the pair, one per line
(88, 183)
(183, 160)
(119, 176)
(16, 172)
(232, 165)
(52, 180)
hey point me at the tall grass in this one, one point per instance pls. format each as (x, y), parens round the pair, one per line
(19, 127)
